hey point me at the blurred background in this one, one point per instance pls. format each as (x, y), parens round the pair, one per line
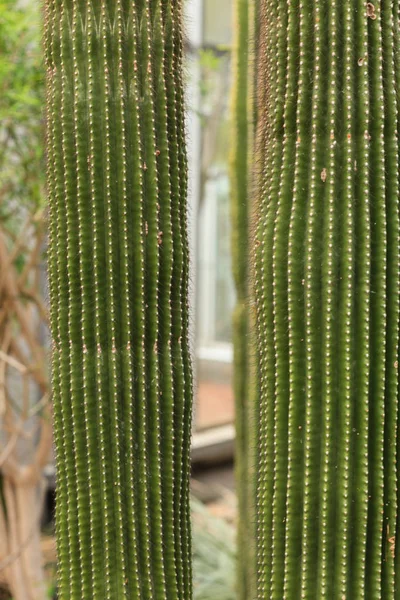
(25, 419)
(209, 79)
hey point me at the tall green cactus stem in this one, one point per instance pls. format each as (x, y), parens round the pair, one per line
(118, 268)
(239, 182)
(327, 295)
(245, 386)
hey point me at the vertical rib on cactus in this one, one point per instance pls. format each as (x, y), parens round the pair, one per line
(56, 275)
(181, 338)
(118, 268)
(242, 369)
(247, 86)
(390, 76)
(267, 130)
(327, 297)
(329, 374)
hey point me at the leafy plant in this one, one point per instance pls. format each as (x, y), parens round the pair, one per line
(214, 556)
(21, 112)
(25, 432)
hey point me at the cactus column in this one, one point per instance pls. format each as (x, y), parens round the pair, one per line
(327, 292)
(118, 267)
(245, 365)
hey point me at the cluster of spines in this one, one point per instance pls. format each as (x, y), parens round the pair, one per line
(118, 269)
(327, 298)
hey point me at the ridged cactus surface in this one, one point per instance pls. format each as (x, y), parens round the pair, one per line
(327, 291)
(118, 266)
(245, 367)
(239, 204)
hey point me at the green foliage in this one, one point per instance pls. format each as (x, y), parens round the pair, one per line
(214, 556)
(21, 79)
(51, 591)
(327, 293)
(209, 60)
(210, 63)
(21, 111)
(118, 266)
(214, 110)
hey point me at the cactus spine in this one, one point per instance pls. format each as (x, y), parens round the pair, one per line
(118, 268)
(327, 293)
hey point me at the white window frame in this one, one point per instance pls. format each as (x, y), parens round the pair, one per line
(218, 351)
(213, 444)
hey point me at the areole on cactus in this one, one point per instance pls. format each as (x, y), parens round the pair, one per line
(118, 266)
(327, 290)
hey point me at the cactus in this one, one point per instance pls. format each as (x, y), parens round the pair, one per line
(245, 382)
(326, 250)
(239, 209)
(118, 269)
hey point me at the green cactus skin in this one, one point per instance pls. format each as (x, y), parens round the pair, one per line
(239, 210)
(118, 270)
(245, 363)
(326, 252)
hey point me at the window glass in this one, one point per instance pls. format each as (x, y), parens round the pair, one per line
(215, 289)
(217, 22)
